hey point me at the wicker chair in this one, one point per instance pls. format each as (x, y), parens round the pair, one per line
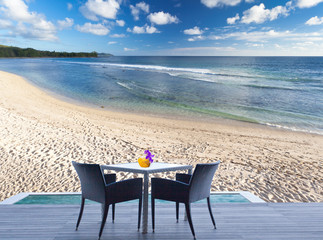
(186, 189)
(104, 189)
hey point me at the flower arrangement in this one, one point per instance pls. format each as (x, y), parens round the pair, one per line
(145, 162)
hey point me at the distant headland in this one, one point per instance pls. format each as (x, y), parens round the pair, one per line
(16, 52)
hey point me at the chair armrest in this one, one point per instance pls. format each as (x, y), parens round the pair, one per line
(183, 177)
(110, 178)
(125, 190)
(170, 190)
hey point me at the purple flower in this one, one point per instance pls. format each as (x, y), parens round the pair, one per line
(149, 156)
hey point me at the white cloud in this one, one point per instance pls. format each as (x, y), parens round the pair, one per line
(129, 49)
(144, 29)
(40, 33)
(258, 14)
(308, 3)
(151, 29)
(270, 36)
(88, 14)
(161, 18)
(69, 6)
(100, 8)
(110, 43)
(257, 36)
(118, 36)
(66, 23)
(278, 46)
(256, 45)
(233, 19)
(305, 44)
(196, 38)
(140, 7)
(28, 24)
(220, 3)
(216, 37)
(205, 51)
(314, 21)
(193, 31)
(5, 23)
(97, 29)
(137, 30)
(120, 23)
(143, 6)
(300, 48)
(18, 10)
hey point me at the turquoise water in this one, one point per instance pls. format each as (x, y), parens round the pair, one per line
(284, 92)
(76, 199)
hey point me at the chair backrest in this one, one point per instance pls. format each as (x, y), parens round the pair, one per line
(200, 184)
(92, 181)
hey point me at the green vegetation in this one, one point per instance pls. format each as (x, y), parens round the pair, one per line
(12, 52)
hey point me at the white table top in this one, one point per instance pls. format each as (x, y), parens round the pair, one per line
(153, 168)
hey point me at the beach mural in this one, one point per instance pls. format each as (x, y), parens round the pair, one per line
(192, 81)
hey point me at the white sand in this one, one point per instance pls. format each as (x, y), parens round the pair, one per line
(40, 136)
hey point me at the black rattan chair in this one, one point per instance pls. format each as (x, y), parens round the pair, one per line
(104, 189)
(186, 189)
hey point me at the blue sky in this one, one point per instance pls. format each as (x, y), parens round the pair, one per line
(166, 27)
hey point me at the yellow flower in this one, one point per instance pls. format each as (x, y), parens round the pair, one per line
(143, 162)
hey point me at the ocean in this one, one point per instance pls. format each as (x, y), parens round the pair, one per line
(282, 92)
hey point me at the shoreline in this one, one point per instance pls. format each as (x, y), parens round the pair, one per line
(40, 135)
(299, 121)
(185, 118)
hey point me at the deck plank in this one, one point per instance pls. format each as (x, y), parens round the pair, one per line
(234, 221)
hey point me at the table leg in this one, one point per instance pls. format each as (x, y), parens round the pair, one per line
(145, 204)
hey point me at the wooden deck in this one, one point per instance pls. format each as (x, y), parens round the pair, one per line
(259, 221)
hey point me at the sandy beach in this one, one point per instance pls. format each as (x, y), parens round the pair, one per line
(40, 135)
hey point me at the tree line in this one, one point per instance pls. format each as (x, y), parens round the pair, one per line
(12, 52)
